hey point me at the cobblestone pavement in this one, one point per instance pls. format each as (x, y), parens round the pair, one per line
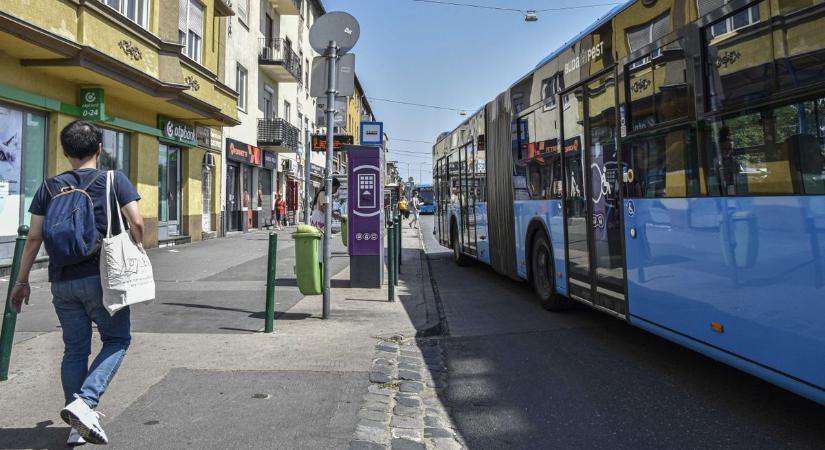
(402, 409)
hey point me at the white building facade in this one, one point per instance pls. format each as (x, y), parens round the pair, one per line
(268, 60)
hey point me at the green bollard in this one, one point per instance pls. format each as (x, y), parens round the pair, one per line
(390, 262)
(398, 226)
(271, 271)
(9, 315)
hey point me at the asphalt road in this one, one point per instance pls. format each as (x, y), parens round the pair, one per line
(524, 378)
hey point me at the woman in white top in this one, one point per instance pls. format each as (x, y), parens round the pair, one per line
(415, 205)
(319, 206)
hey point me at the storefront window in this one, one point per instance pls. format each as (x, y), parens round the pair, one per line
(115, 155)
(22, 157)
(34, 158)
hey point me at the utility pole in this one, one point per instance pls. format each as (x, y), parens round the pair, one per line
(332, 56)
(307, 176)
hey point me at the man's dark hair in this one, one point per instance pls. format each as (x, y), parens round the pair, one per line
(81, 139)
(335, 183)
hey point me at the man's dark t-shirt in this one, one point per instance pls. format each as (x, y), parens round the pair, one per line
(79, 178)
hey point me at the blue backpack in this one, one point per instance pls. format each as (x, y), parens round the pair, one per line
(69, 230)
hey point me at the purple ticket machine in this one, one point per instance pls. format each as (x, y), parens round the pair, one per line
(365, 207)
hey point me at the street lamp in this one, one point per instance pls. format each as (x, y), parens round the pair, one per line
(531, 16)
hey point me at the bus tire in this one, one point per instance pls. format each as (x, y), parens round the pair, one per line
(459, 258)
(543, 275)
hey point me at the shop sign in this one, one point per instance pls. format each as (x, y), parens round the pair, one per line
(92, 106)
(245, 153)
(270, 160)
(319, 142)
(216, 139)
(316, 171)
(203, 135)
(177, 132)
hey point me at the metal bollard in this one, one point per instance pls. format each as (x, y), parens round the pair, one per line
(9, 315)
(399, 225)
(390, 262)
(271, 271)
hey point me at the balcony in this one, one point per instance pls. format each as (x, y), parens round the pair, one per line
(277, 135)
(279, 61)
(286, 7)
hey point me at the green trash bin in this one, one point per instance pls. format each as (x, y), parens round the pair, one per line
(344, 229)
(307, 266)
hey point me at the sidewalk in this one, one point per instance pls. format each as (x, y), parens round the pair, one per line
(199, 373)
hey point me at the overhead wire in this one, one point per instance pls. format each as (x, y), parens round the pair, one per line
(522, 11)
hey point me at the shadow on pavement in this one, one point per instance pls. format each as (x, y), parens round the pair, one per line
(43, 436)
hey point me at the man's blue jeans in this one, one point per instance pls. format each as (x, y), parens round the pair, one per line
(79, 303)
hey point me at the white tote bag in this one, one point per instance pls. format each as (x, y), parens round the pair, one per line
(125, 271)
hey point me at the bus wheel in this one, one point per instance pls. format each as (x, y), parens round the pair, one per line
(544, 276)
(459, 258)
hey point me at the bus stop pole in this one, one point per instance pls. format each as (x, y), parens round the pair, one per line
(332, 56)
(307, 176)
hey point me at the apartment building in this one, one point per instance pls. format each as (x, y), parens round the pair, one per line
(149, 72)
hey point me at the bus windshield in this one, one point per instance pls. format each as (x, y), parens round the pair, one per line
(426, 195)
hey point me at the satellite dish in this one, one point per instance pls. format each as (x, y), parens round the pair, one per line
(335, 26)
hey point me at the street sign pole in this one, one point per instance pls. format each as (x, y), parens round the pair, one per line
(332, 55)
(307, 176)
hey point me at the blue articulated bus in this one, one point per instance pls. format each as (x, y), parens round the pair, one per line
(667, 167)
(425, 193)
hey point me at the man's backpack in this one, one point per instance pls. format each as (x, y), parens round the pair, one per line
(69, 230)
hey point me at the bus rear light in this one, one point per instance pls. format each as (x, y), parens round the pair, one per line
(717, 327)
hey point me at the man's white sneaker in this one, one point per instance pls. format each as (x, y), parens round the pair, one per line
(85, 421)
(75, 439)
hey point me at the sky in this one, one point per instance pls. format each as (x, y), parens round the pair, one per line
(449, 56)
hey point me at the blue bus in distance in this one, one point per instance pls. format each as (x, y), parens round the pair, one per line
(425, 192)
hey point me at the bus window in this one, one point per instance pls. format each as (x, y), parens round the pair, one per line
(800, 59)
(737, 67)
(661, 165)
(770, 152)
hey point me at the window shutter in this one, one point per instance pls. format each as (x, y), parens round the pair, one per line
(706, 6)
(661, 26)
(243, 6)
(638, 38)
(196, 18)
(183, 8)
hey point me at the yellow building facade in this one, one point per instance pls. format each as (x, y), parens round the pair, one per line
(149, 73)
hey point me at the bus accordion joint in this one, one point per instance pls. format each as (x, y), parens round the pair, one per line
(717, 327)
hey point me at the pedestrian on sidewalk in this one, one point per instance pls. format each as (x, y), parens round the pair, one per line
(280, 205)
(77, 293)
(415, 206)
(319, 205)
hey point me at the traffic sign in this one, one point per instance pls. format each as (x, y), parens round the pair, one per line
(345, 79)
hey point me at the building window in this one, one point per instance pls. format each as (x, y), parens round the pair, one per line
(287, 111)
(135, 10)
(115, 154)
(646, 34)
(739, 20)
(306, 74)
(240, 86)
(549, 88)
(301, 128)
(190, 29)
(243, 11)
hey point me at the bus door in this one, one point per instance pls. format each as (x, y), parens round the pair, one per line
(592, 205)
(468, 198)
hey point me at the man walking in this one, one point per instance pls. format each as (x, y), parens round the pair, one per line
(76, 289)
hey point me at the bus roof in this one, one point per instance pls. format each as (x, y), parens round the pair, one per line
(423, 186)
(601, 21)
